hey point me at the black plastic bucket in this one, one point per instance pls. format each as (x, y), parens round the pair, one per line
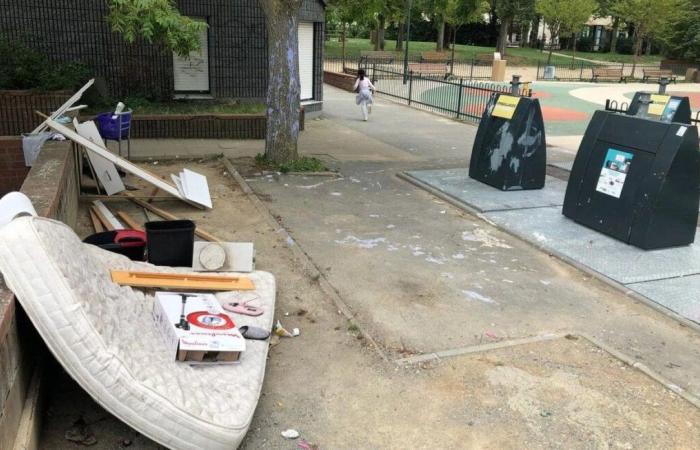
(170, 242)
(130, 243)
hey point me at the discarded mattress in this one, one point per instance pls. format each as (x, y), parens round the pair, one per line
(104, 337)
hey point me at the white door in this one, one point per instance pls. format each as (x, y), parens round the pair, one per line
(306, 59)
(192, 73)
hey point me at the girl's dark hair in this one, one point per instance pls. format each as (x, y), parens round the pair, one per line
(361, 74)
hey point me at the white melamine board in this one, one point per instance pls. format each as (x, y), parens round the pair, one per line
(105, 170)
(195, 187)
(120, 162)
(64, 107)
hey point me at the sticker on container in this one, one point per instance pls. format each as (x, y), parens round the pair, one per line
(681, 131)
(505, 106)
(616, 166)
(658, 104)
(670, 110)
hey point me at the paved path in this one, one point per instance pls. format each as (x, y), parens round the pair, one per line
(422, 276)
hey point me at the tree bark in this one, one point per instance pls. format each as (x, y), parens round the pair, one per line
(573, 57)
(503, 36)
(400, 37)
(283, 89)
(440, 42)
(379, 43)
(648, 49)
(534, 32)
(615, 30)
(342, 37)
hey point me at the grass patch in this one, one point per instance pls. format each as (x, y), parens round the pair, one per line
(303, 164)
(515, 56)
(142, 106)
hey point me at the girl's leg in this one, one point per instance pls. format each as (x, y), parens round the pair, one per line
(363, 107)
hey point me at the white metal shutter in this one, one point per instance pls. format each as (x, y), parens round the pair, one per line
(306, 59)
(192, 74)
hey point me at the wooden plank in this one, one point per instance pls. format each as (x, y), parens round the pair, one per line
(129, 221)
(168, 216)
(193, 282)
(128, 166)
(64, 107)
(104, 212)
(105, 223)
(96, 223)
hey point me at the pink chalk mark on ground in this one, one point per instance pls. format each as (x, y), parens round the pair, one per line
(562, 114)
(694, 98)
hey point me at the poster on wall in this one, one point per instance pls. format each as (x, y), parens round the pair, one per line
(616, 166)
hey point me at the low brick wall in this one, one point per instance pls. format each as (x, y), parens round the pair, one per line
(340, 80)
(17, 108)
(52, 186)
(12, 168)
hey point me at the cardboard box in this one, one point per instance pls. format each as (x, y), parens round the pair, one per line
(206, 336)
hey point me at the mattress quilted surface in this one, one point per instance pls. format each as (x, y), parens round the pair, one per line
(104, 336)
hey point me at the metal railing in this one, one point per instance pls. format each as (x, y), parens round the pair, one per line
(585, 71)
(614, 106)
(471, 69)
(461, 99)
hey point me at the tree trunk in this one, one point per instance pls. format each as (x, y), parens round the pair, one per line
(503, 36)
(454, 43)
(283, 89)
(440, 42)
(534, 32)
(648, 49)
(636, 49)
(379, 43)
(342, 37)
(615, 30)
(573, 57)
(400, 37)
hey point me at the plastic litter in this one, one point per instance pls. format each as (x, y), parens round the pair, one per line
(290, 434)
(280, 331)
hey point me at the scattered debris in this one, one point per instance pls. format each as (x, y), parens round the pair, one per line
(361, 243)
(290, 434)
(80, 433)
(296, 332)
(280, 331)
(476, 296)
(305, 445)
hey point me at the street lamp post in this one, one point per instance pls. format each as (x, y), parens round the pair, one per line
(407, 40)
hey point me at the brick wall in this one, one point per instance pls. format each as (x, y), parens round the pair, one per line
(340, 80)
(17, 109)
(12, 168)
(52, 188)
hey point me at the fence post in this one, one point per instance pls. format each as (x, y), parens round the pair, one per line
(410, 86)
(580, 77)
(459, 97)
(471, 70)
(623, 70)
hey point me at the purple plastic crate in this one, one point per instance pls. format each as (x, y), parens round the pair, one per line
(113, 126)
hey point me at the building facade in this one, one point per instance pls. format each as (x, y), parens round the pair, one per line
(231, 64)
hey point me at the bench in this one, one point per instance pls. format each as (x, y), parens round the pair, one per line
(484, 57)
(657, 74)
(606, 73)
(377, 57)
(434, 57)
(428, 69)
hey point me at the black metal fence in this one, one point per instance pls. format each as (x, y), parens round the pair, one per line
(462, 99)
(578, 70)
(471, 69)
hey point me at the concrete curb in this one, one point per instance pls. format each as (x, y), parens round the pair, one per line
(307, 264)
(690, 398)
(583, 268)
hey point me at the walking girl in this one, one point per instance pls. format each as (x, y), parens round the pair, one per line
(364, 89)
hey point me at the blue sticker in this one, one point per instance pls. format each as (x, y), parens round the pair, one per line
(614, 172)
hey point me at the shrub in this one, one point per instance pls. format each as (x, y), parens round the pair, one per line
(25, 68)
(585, 44)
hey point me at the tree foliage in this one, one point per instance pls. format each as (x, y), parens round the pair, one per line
(156, 21)
(566, 16)
(648, 16)
(681, 34)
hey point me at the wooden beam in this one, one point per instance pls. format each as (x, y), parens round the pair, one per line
(64, 107)
(105, 213)
(105, 223)
(168, 216)
(181, 281)
(129, 221)
(96, 224)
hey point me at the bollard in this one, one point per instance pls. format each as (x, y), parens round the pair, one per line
(515, 85)
(663, 82)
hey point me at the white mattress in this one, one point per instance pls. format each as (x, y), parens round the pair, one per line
(104, 337)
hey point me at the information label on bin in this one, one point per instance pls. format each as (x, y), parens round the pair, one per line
(505, 106)
(658, 103)
(616, 166)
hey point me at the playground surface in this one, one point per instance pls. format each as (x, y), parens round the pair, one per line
(566, 107)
